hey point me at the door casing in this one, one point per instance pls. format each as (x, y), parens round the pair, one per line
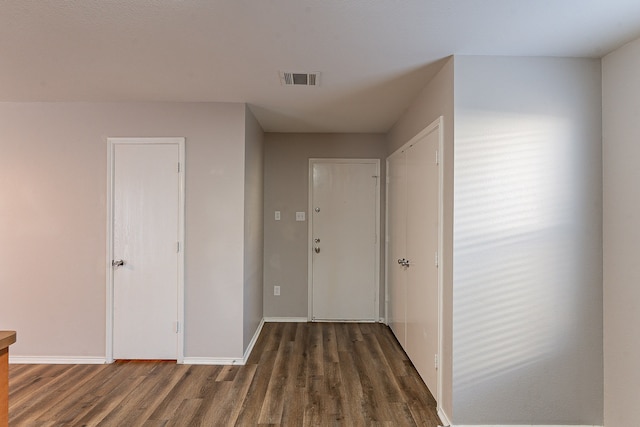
(111, 144)
(396, 216)
(313, 161)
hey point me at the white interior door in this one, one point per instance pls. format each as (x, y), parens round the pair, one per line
(421, 248)
(396, 246)
(146, 236)
(344, 244)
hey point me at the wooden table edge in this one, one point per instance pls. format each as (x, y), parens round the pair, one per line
(7, 338)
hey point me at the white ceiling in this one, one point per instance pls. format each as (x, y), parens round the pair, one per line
(374, 55)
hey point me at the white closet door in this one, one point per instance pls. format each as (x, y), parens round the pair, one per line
(421, 249)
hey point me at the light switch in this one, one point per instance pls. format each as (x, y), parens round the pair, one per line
(300, 216)
(277, 215)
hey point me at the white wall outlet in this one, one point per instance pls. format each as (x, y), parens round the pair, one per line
(277, 216)
(300, 216)
(276, 290)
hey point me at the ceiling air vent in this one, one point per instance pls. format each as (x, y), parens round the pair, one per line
(299, 79)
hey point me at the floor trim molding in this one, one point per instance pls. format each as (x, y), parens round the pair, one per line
(521, 425)
(286, 319)
(252, 343)
(227, 360)
(56, 360)
(212, 361)
(443, 417)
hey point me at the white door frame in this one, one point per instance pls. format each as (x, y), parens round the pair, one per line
(436, 126)
(111, 144)
(388, 262)
(313, 161)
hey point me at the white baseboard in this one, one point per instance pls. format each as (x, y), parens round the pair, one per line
(227, 360)
(443, 417)
(212, 361)
(305, 320)
(520, 425)
(286, 319)
(56, 360)
(446, 423)
(252, 343)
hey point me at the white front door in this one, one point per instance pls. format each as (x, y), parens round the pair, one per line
(146, 253)
(344, 206)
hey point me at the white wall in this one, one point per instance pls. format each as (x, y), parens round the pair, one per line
(53, 221)
(621, 151)
(253, 226)
(436, 100)
(527, 280)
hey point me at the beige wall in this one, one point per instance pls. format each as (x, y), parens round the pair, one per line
(53, 221)
(527, 302)
(621, 151)
(436, 100)
(286, 190)
(253, 226)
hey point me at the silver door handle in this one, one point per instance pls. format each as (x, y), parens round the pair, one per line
(317, 249)
(403, 262)
(117, 263)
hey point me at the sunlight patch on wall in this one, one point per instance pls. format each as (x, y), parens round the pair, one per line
(511, 242)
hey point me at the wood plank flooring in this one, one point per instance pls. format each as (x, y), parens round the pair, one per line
(299, 374)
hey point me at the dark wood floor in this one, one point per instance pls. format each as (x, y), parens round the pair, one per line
(299, 374)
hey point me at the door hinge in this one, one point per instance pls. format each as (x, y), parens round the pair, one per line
(437, 260)
(178, 167)
(177, 327)
(178, 247)
(435, 360)
(437, 158)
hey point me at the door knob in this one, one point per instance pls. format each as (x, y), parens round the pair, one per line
(117, 263)
(403, 262)
(316, 240)
(317, 249)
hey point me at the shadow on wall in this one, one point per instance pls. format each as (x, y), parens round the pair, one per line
(514, 245)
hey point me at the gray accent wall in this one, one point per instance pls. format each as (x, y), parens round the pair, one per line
(53, 183)
(527, 258)
(286, 181)
(621, 152)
